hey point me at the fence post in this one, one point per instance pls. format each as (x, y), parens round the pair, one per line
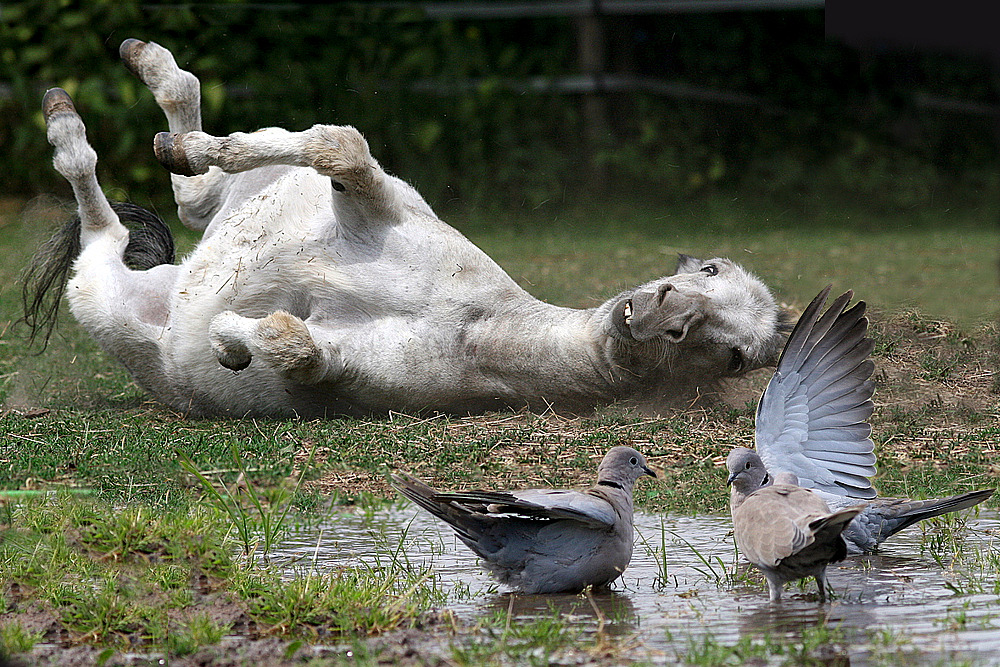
(590, 52)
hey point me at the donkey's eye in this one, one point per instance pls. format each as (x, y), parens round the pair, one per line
(736, 360)
(710, 269)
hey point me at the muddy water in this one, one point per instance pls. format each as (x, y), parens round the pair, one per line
(899, 607)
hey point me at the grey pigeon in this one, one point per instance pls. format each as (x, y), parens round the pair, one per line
(545, 540)
(786, 531)
(812, 422)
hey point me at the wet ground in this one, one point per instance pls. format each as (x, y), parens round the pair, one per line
(682, 594)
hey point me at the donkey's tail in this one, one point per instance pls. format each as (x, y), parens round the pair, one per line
(43, 281)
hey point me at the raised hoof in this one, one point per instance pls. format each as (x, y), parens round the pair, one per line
(235, 363)
(129, 52)
(55, 102)
(169, 150)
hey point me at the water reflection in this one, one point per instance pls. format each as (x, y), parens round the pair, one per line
(610, 610)
(684, 586)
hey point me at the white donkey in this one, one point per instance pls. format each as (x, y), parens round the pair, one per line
(324, 286)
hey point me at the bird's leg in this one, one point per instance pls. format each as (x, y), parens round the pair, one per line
(821, 584)
(774, 587)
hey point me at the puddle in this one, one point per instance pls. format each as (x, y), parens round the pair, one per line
(898, 601)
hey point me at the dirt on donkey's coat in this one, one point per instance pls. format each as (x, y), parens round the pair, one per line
(322, 285)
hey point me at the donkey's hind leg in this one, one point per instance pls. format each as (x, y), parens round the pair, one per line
(77, 162)
(280, 340)
(178, 93)
(125, 310)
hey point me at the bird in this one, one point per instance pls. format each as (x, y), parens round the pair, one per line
(786, 531)
(545, 540)
(812, 422)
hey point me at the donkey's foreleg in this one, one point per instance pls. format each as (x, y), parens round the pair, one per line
(337, 151)
(77, 162)
(280, 340)
(178, 93)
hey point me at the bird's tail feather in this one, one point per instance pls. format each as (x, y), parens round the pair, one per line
(909, 512)
(461, 520)
(836, 520)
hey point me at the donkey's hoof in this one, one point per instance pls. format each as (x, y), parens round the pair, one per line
(169, 150)
(57, 101)
(230, 351)
(129, 52)
(235, 362)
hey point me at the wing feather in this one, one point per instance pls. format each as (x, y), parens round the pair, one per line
(538, 504)
(812, 419)
(826, 402)
(861, 450)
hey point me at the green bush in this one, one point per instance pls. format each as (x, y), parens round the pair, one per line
(443, 105)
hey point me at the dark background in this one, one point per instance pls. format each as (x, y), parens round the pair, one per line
(501, 105)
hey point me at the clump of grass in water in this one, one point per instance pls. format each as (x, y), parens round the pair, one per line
(264, 523)
(712, 569)
(942, 537)
(532, 642)
(368, 599)
(199, 630)
(890, 646)
(818, 644)
(15, 639)
(555, 636)
(974, 566)
(102, 612)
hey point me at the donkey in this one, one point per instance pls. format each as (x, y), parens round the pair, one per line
(324, 286)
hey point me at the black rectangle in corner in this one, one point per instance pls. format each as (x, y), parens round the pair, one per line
(966, 26)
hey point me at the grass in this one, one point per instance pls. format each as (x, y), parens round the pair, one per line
(138, 579)
(822, 643)
(121, 520)
(713, 570)
(917, 262)
(259, 521)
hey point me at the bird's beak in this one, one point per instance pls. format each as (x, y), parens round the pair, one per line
(649, 471)
(733, 477)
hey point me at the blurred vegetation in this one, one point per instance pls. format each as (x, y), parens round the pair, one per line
(827, 118)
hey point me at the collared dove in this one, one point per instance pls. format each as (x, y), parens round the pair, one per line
(812, 422)
(786, 531)
(545, 540)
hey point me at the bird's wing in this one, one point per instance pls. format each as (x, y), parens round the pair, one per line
(772, 523)
(538, 504)
(812, 419)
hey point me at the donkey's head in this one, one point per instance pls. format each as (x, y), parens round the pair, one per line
(711, 315)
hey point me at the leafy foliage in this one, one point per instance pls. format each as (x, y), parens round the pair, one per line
(451, 104)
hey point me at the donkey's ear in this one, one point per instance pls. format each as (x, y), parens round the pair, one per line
(687, 264)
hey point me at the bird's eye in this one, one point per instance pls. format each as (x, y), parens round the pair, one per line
(633, 461)
(710, 269)
(748, 465)
(736, 360)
